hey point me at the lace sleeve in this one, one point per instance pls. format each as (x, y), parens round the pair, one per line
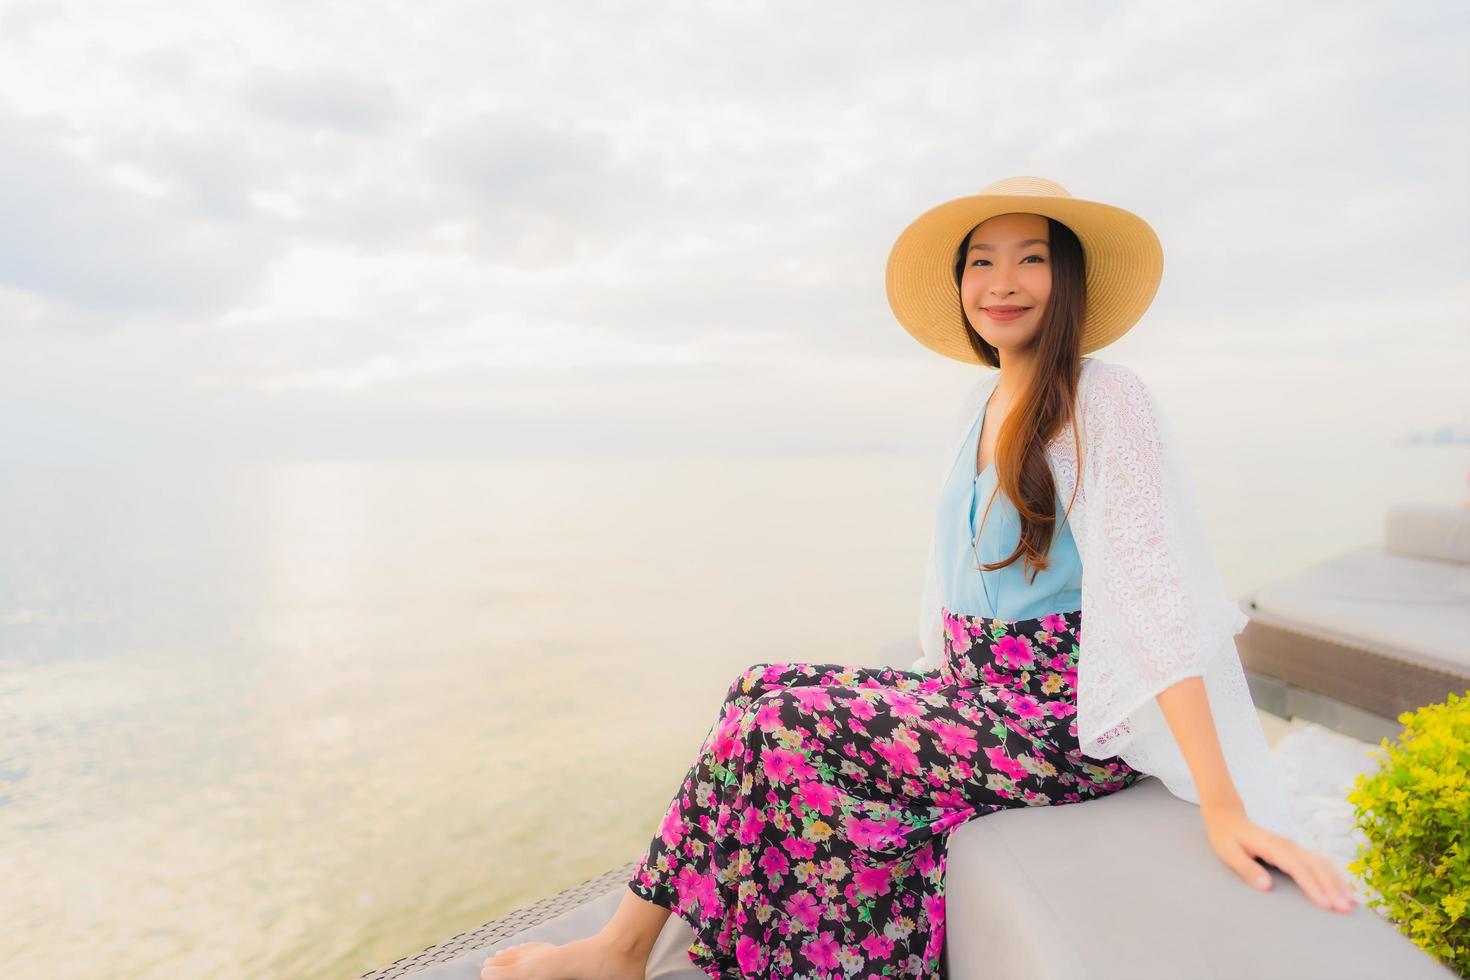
(1155, 610)
(1158, 580)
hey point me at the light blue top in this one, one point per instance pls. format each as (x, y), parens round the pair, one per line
(1004, 593)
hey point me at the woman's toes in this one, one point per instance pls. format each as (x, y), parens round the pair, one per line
(508, 958)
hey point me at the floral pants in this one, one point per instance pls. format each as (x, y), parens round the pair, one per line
(809, 837)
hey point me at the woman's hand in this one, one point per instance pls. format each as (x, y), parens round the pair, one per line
(1238, 841)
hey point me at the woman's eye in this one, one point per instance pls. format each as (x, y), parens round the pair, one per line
(987, 261)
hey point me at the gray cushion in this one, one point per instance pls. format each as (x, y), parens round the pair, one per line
(1428, 531)
(1127, 887)
(1411, 608)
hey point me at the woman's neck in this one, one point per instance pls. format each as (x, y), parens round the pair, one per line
(1015, 373)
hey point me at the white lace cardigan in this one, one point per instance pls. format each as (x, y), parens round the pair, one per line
(1154, 609)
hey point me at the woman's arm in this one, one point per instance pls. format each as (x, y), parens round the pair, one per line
(1236, 839)
(1187, 709)
(1152, 592)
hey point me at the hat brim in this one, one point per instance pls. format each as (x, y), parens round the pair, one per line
(1124, 262)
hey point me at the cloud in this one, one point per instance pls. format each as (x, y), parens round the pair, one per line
(79, 235)
(322, 97)
(600, 209)
(536, 191)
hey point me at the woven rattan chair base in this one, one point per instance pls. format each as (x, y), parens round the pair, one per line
(507, 925)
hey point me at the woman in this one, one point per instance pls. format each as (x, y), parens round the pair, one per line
(810, 835)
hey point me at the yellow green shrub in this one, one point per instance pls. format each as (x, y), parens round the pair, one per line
(1415, 812)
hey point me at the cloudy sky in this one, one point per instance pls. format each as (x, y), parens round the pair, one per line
(378, 229)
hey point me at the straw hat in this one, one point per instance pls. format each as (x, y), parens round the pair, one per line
(1122, 253)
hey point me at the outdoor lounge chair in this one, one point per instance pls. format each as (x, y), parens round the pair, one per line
(1352, 641)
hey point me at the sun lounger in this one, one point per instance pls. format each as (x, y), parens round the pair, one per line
(1354, 640)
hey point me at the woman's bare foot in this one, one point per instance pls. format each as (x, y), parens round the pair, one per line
(594, 958)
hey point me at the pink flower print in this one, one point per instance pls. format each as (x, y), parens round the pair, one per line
(954, 739)
(1054, 623)
(904, 705)
(773, 672)
(1070, 676)
(1026, 708)
(924, 860)
(774, 863)
(727, 737)
(685, 885)
(750, 956)
(953, 818)
(956, 639)
(799, 847)
(993, 677)
(812, 699)
(934, 912)
(822, 952)
(803, 908)
(962, 769)
(877, 946)
(768, 715)
(862, 708)
(673, 827)
(871, 881)
(817, 796)
(693, 888)
(751, 822)
(899, 756)
(1014, 652)
(1061, 709)
(786, 765)
(931, 684)
(874, 835)
(950, 799)
(1003, 763)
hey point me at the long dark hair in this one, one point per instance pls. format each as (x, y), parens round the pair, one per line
(1047, 402)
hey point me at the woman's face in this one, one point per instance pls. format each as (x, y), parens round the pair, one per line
(1007, 265)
